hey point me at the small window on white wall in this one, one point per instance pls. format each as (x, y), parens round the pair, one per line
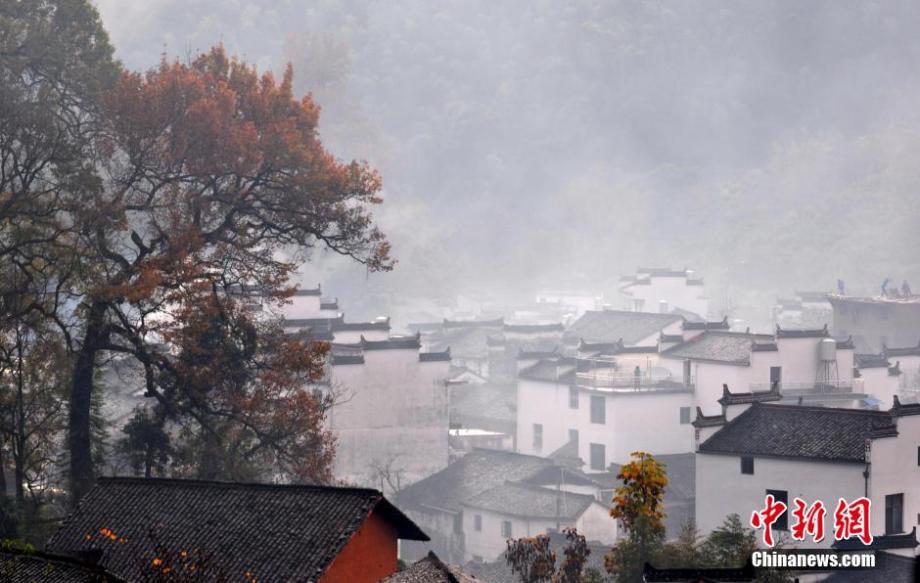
(538, 436)
(477, 522)
(573, 397)
(685, 415)
(506, 528)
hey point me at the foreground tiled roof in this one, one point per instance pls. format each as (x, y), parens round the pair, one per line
(274, 532)
(815, 433)
(20, 567)
(477, 471)
(518, 499)
(430, 570)
(717, 346)
(616, 325)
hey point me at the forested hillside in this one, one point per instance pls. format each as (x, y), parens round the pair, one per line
(534, 142)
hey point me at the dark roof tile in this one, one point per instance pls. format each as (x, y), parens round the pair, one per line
(717, 346)
(720, 325)
(276, 532)
(815, 433)
(728, 398)
(518, 499)
(476, 472)
(617, 325)
(813, 333)
(32, 567)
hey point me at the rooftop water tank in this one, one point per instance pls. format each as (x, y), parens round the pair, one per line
(827, 350)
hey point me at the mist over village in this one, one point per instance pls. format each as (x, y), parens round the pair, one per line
(340, 291)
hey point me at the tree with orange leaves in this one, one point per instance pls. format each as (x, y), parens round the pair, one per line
(639, 506)
(210, 170)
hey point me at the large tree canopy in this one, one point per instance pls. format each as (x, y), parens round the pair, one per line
(210, 170)
(134, 209)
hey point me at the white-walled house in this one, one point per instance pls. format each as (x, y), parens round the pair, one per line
(390, 415)
(565, 400)
(803, 363)
(908, 361)
(876, 376)
(894, 483)
(661, 290)
(516, 509)
(813, 453)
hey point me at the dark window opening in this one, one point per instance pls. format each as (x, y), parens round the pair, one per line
(598, 457)
(598, 409)
(782, 523)
(685, 415)
(894, 513)
(747, 465)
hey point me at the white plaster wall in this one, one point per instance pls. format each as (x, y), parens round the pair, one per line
(354, 336)
(880, 384)
(910, 377)
(646, 420)
(302, 307)
(799, 359)
(721, 488)
(596, 524)
(548, 404)
(895, 470)
(489, 543)
(394, 408)
(709, 380)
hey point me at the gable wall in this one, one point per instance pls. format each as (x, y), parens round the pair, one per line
(369, 556)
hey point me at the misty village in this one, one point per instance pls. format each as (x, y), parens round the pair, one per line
(492, 291)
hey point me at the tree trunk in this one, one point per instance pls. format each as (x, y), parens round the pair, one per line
(19, 436)
(79, 438)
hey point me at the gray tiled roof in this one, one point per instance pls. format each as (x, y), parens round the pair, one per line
(871, 361)
(615, 325)
(551, 370)
(717, 346)
(717, 325)
(476, 472)
(905, 351)
(802, 333)
(278, 533)
(518, 499)
(730, 398)
(430, 569)
(815, 433)
(16, 567)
